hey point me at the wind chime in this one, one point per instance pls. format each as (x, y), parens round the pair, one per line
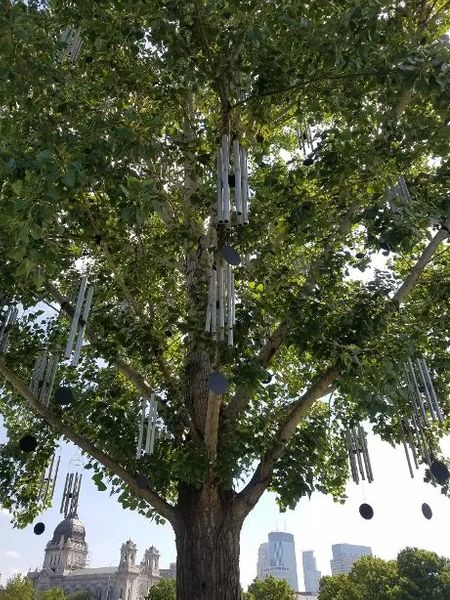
(399, 190)
(79, 321)
(238, 181)
(43, 378)
(425, 406)
(8, 316)
(49, 477)
(149, 414)
(71, 37)
(71, 494)
(358, 452)
(220, 311)
(306, 142)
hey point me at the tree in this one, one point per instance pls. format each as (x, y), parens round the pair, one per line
(414, 575)
(271, 589)
(164, 590)
(58, 594)
(107, 165)
(20, 587)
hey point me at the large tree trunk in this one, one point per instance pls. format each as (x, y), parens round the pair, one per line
(207, 539)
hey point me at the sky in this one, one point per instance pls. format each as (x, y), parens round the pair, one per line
(316, 523)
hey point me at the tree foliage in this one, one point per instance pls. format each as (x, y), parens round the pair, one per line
(108, 166)
(164, 590)
(20, 587)
(414, 575)
(271, 588)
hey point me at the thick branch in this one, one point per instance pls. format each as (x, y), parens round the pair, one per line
(322, 384)
(165, 509)
(212, 425)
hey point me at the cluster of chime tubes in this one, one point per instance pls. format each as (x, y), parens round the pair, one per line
(305, 138)
(425, 406)
(149, 414)
(79, 321)
(8, 316)
(399, 190)
(72, 39)
(49, 478)
(240, 169)
(71, 494)
(43, 378)
(358, 452)
(220, 310)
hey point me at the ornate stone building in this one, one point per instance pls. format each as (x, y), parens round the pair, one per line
(65, 567)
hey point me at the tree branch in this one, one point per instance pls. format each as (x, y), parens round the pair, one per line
(322, 384)
(165, 509)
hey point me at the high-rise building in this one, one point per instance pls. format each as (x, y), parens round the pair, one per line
(277, 558)
(263, 562)
(344, 555)
(310, 573)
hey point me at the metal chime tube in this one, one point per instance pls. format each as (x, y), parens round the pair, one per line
(55, 477)
(69, 495)
(149, 425)
(5, 324)
(229, 308)
(365, 454)
(404, 188)
(244, 182)
(155, 418)
(214, 304)
(225, 182)
(210, 300)
(358, 453)
(220, 274)
(34, 384)
(76, 318)
(49, 476)
(417, 391)
(405, 448)
(412, 444)
(233, 300)
(61, 509)
(413, 396)
(82, 326)
(76, 495)
(51, 381)
(433, 396)
(426, 390)
(237, 177)
(351, 454)
(141, 428)
(219, 187)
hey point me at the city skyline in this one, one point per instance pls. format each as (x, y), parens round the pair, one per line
(317, 523)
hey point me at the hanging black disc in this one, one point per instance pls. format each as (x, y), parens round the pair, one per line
(64, 395)
(217, 383)
(28, 443)
(268, 378)
(440, 471)
(366, 511)
(308, 162)
(426, 510)
(39, 528)
(142, 481)
(230, 255)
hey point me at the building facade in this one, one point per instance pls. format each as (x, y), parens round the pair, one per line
(277, 558)
(65, 567)
(311, 575)
(344, 555)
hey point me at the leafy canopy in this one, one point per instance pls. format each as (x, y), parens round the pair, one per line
(107, 166)
(271, 588)
(164, 590)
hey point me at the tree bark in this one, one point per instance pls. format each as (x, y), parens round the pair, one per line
(207, 540)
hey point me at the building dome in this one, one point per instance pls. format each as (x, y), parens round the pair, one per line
(71, 528)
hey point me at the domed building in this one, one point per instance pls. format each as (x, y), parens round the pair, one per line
(65, 567)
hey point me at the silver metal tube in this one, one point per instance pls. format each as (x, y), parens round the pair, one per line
(417, 390)
(55, 477)
(149, 425)
(214, 305)
(358, 454)
(220, 274)
(244, 185)
(225, 183)
(229, 308)
(405, 448)
(237, 177)
(404, 188)
(48, 362)
(51, 382)
(365, 454)
(426, 390)
(141, 428)
(155, 418)
(76, 318)
(413, 397)
(233, 300)
(82, 328)
(61, 510)
(219, 187)
(49, 476)
(351, 455)
(434, 398)
(209, 305)
(69, 495)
